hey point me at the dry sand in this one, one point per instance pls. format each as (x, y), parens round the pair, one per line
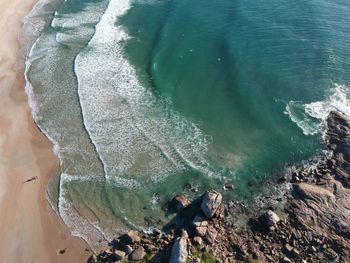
(30, 231)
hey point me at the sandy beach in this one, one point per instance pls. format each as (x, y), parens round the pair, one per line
(30, 230)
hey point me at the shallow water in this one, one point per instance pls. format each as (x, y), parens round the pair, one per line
(143, 98)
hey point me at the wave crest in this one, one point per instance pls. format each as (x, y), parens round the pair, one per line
(311, 117)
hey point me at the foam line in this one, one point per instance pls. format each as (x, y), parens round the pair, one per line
(125, 121)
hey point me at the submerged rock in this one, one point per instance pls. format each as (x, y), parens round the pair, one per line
(228, 187)
(210, 203)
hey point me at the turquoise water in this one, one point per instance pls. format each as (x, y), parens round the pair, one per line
(142, 98)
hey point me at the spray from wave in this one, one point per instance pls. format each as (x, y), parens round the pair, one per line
(311, 117)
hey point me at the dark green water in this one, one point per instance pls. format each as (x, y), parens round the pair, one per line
(143, 98)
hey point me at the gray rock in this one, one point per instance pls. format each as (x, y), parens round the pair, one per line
(271, 219)
(128, 250)
(211, 234)
(286, 260)
(197, 241)
(179, 252)
(201, 230)
(288, 247)
(149, 248)
(314, 192)
(210, 203)
(138, 254)
(330, 254)
(200, 224)
(119, 255)
(130, 237)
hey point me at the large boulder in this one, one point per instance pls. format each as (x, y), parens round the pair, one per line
(179, 252)
(127, 249)
(130, 238)
(180, 202)
(119, 255)
(271, 218)
(210, 203)
(138, 254)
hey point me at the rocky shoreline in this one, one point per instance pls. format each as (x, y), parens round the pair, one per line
(309, 221)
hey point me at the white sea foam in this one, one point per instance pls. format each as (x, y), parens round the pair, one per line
(311, 117)
(42, 55)
(133, 132)
(78, 225)
(138, 139)
(77, 25)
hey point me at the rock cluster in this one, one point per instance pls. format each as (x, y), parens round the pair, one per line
(313, 225)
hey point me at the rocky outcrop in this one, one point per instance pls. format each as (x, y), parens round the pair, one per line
(338, 137)
(309, 223)
(210, 204)
(179, 251)
(130, 237)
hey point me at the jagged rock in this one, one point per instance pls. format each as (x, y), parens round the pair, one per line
(94, 258)
(119, 255)
(314, 192)
(197, 241)
(180, 202)
(210, 203)
(211, 234)
(271, 218)
(130, 237)
(237, 243)
(330, 253)
(288, 247)
(156, 232)
(286, 260)
(200, 224)
(201, 230)
(318, 216)
(149, 248)
(128, 249)
(179, 252)
(138, 254)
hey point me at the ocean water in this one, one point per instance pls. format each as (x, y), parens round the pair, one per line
(144, 99)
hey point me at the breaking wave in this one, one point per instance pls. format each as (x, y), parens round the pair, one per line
(311, 117)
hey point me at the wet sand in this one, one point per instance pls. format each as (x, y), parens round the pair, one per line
(30, 230)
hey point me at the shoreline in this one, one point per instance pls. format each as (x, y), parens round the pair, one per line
(308, 223)
(31, 231)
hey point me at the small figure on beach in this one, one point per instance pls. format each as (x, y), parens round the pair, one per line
(30, 179)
